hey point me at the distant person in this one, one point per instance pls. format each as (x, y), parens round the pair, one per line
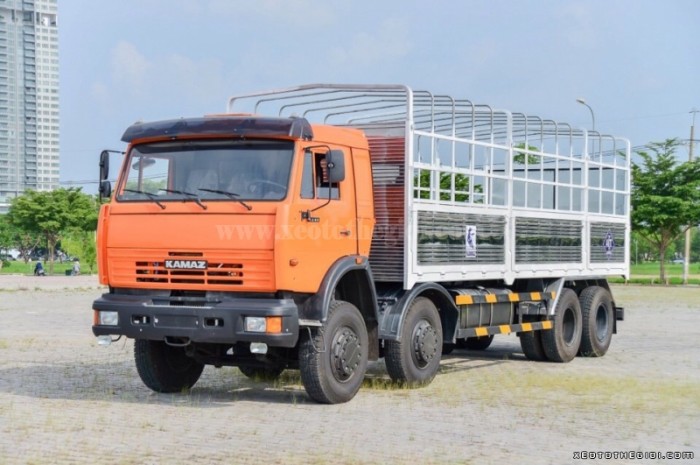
(76, 268)
(39, 269)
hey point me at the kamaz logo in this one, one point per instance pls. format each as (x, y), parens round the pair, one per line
(186, 264)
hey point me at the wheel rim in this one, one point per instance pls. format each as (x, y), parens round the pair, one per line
(176, 359)
(425, 343)
(569, 326)
(601, 323)
(346, 353)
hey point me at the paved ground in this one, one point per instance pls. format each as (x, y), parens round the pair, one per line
(63, 399)
(17, 282)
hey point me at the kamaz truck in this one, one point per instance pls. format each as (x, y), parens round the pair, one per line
(325, 226)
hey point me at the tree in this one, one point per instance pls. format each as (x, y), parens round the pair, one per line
(641, 251)
(52, 213)
(461, 186)
(25, 243)
(81, 244)
(12, 237)
(6, 242)
(695, 245)
(665, 196)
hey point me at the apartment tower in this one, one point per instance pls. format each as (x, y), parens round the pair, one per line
(29, 101)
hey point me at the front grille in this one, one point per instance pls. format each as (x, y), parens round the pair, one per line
(230, 274)
(240, 270)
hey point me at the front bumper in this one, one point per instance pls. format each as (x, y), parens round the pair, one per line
(211, 321)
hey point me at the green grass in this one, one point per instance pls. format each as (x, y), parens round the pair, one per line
(648, 273)
(627, 393)
(19, 267)
(672, 269)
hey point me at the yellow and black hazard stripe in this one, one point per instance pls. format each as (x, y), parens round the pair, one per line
(504, 329)
(504, 298)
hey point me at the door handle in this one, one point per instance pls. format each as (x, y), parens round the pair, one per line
(345, 232)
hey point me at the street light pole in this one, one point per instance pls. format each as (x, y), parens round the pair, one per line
(583, 102)
(686, 254)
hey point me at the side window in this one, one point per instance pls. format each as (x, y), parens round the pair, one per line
(321, 178)
(307, 177)
(149, 174)
(314, 178)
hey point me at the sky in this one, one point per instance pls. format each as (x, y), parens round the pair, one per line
(635, 62)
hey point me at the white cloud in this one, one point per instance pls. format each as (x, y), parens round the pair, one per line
(389, 42)
(161, 78)
(194, 79)
(130, 67)
(99, 92)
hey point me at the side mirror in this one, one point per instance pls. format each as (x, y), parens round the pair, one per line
(336, 166)
(104, 165)
(105, 189)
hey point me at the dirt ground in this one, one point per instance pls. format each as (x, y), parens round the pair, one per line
(65, 400)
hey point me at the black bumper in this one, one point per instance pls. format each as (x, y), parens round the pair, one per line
(219, 322)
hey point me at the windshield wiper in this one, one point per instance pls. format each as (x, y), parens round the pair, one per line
(231, 195)
(147, 194)
(189, 194)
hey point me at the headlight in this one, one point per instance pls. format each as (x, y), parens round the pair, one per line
(259, 324)
(108, 318)
(255, 324)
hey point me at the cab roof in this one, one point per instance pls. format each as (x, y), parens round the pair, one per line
(221, 125)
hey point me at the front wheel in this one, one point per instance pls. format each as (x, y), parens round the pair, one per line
(415, 358)
(333, 362)
(164, 368)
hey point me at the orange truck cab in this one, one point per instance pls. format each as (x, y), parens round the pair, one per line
(227, 230)
(401, 224)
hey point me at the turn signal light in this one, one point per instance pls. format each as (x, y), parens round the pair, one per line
(274, 324)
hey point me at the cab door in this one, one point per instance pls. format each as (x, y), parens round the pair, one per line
(322, 219)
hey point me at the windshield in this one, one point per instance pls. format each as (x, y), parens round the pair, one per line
(208, 170)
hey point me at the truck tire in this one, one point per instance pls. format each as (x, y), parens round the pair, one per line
(598, 319)
(258, 373)
(561, 343)
(333, 362)
(415, 358)
(531, 343)
(475, 343)
(164, 368)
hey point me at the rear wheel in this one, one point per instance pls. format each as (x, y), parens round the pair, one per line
(415, 358)
(561, 343)
(598, 319)
(164, 368)
(333, 362)
(531, 343)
